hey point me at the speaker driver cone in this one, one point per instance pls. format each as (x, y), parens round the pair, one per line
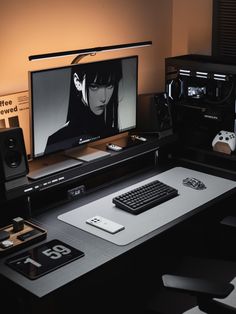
(13, 159)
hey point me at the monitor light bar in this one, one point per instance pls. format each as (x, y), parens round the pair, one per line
(89, 51)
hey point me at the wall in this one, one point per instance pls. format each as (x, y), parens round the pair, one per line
(191, 27)
(30, 27)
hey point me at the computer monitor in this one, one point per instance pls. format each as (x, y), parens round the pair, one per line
(78, 104)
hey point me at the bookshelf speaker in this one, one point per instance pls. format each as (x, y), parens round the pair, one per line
(13, 158)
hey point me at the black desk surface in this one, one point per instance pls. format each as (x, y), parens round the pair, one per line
(97, 250)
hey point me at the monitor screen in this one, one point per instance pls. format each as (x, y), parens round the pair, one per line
(82, 103)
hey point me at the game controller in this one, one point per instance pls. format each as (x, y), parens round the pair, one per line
(225, 137)
(114, 147)
(139, 138)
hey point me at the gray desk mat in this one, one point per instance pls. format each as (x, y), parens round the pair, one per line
(137, 226)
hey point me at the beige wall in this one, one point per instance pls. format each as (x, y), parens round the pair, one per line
(32, 27)
(191, 27)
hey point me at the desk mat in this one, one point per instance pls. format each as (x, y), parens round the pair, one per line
(137, 226)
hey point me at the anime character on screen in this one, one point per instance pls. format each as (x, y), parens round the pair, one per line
(93, 105)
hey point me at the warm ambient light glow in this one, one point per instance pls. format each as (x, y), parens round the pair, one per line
(89, 51)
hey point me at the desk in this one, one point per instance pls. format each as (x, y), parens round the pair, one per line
(99, 253)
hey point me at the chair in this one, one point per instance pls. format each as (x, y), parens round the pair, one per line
(213, 297)
(200, 283)
(212, 282)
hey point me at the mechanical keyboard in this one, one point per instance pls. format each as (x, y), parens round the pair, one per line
(145, 197)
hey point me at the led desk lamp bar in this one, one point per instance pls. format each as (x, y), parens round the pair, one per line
(90, 51)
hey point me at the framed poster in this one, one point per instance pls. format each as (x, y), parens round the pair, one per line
(14, 112)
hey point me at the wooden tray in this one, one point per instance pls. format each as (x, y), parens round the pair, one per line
(39, 234)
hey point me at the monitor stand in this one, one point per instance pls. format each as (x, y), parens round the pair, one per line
(86, 153)
(50, 165)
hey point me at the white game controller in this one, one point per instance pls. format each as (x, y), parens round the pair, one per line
(114, 147)
(225, 137)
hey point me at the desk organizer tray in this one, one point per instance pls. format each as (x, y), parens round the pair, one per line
(44, 258)
(30, 234)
